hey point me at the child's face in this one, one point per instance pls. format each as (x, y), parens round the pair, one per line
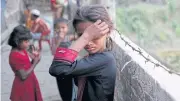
(62, 28)
(93, 46)
(24, 44)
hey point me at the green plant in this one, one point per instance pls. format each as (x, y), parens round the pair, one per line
(120, 20)
(162, 15)
(174, 24)
(172, 6)
(177, 30)
(162, 36)
(151, 26)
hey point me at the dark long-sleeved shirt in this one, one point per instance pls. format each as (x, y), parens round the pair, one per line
(100, 71)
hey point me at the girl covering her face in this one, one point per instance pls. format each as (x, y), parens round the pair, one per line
(96, 73)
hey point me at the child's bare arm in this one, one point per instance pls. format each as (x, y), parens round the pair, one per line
(56, 44)
(23, 74)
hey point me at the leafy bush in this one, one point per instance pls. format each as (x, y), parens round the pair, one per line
(132, 20)
(162, 15)
(177, 30)
(174, 25)
(172, 6)
(153, 25)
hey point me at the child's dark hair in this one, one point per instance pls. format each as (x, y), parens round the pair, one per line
(93, 13)
(36, 16)
(60, 20)
(19, 34)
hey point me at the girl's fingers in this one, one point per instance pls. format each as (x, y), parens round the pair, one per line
(35, 48)
(32, 47)
(93, 28)
(104, 27)
(105, 31)
(102, 24)
(97, 22)
(38, 50)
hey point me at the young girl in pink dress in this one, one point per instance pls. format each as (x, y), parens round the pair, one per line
(25, 85)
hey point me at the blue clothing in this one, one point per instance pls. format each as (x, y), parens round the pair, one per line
(37, 36)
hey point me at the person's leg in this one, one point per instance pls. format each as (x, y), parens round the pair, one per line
(59, 12)
(65, 88)
(54, 15)
(47, 38)
(43, 38)
(49, 44)
(40, 42)
(40, 45)
(74, 91)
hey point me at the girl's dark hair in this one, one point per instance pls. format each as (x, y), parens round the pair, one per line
(60, 20)
(19, 34)
(93, 13)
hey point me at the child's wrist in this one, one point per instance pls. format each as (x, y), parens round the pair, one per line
(80, 43)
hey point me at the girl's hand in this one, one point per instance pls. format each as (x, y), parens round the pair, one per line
(35, 51)
(96, 30)
(37, 56)
(36, 59)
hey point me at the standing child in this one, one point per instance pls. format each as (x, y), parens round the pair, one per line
(61, 39)
(40, 26)
(98, 70)
(25, 86)
(57, 7)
